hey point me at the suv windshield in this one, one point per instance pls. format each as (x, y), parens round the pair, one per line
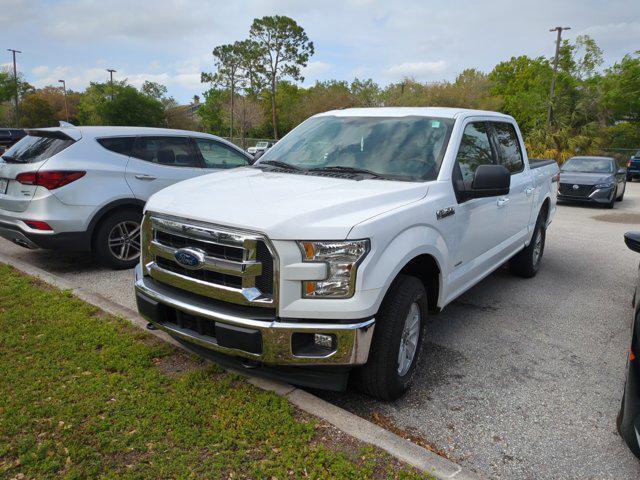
(402, 148)
(588, 165)
(32, 149)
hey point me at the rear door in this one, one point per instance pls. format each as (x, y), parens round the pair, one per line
(521, 192)
(28, 155)
(159, 161)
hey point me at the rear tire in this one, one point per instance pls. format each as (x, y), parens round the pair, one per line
(399, 332)
(526, 263)
(116, 243)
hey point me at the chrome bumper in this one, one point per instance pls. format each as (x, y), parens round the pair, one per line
(352, 341)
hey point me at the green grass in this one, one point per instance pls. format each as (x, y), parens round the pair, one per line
(84, 395)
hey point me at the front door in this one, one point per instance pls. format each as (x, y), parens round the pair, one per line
(160, 161)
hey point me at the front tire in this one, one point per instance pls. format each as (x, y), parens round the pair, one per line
(117, 240)
(526, 263)
(624, 188)
(397, 341)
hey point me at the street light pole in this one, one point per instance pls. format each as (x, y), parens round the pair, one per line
(111, 72)
(66, 108)
(15, 79)
(555, 71)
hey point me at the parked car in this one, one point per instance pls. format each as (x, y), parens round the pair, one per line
(633, 167)
(260, 147)
(8, 137)
(629, 416)
(325, 258)
(83, 188)
(595, 180)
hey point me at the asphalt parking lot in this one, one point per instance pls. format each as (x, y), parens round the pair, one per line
(521, 379)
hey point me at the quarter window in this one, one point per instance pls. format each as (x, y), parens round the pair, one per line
(508, 146)
(475, 150)
(171, 151)
(121, 145)
(216, 155)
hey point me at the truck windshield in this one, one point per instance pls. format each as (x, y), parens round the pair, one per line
(588, 165)
(402, 148)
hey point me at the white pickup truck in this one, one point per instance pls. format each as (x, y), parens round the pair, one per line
(322, 261)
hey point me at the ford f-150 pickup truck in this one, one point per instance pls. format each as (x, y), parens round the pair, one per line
(321, 262)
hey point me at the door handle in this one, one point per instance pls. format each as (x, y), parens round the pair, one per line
(502, 201)
(142, 176)
(529, 190)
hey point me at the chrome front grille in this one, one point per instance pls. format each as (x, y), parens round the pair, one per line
(235, 266)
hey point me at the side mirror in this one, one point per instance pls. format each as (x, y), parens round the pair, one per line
(490, 181)
(632, 239)
(622, 171)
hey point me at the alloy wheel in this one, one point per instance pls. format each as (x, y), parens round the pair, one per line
(409, 339)
(124, 241)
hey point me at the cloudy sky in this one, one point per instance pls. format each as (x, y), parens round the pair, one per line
(171, 41)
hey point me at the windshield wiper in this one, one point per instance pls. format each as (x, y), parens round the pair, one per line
(278, 163)
(341, 168)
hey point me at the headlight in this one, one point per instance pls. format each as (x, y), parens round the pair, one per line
(342, 259)
(605, 185)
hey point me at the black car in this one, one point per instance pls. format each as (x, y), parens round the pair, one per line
(9, 136)
(629, 416)
(594, 180)
(633, 167)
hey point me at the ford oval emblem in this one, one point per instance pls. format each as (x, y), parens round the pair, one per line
(189, 258)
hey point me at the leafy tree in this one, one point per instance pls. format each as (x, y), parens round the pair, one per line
(621, 89)
(35, 111)
(283, 48)
(366, 93)
(211, 112)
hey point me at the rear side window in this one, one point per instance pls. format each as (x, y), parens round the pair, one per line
(33, 149)
(216, 155)
(475, 150)
(170, 151)
(508, 146)
(121, 145)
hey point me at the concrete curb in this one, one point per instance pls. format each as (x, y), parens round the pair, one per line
(347, 422)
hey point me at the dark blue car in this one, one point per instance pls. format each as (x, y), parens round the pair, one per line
(633, 167)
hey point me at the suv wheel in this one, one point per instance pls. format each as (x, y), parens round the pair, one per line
(117, 240)
(397, 341)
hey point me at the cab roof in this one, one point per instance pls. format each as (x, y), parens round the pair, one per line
(439, 112)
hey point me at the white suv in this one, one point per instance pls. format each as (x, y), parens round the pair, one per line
(83, 188)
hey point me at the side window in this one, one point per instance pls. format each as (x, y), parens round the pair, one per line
(171, 151)
(216, 155)
(508, 147)
(121, 145)
(475, 150)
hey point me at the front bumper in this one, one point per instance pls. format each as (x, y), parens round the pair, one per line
(251, 333)
(599, 196)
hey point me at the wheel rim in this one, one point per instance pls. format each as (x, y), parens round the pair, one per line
(124, 241)
(409, 339)
(537, 248)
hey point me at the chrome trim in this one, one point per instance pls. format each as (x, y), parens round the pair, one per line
(247, 270)
(353, 340)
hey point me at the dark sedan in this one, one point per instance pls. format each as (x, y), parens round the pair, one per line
(629, 416)
(592, 179)
(633, 167)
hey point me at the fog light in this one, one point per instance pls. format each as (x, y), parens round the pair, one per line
(323, 340)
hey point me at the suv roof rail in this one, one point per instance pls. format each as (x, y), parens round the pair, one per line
(65, 124)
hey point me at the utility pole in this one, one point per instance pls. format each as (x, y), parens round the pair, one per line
(111, 72)
(555, 72)
(66, 108)
(15, 79)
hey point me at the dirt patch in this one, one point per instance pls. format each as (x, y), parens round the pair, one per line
(630, 218)
(178, 363)
(386, 423)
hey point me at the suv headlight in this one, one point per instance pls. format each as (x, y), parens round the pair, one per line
(342, 259)
(605, 185)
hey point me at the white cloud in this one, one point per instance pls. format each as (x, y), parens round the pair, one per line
(417, 70)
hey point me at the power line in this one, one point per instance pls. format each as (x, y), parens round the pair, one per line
(555, 71)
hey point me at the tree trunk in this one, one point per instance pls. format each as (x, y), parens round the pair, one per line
(274, 115)
(243, 122)
(231, 116)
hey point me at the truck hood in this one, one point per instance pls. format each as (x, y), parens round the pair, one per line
(579, 178)
(283, 206)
